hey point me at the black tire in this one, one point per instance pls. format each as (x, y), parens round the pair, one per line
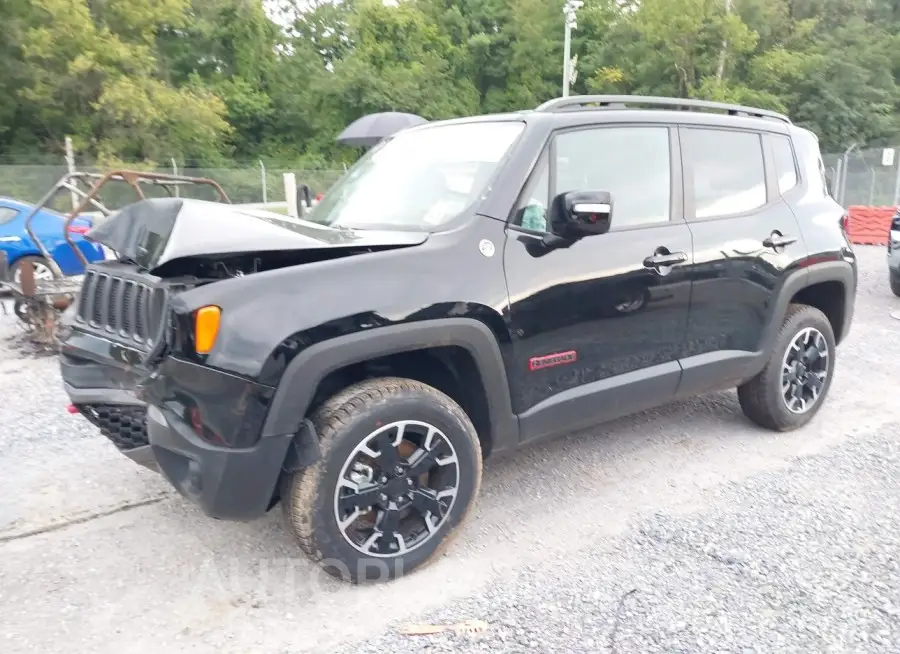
(342, 424)
(895, 283)
(761, 398)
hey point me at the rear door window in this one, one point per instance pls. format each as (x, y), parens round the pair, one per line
(729, 176)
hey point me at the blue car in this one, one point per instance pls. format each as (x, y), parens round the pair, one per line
(48, 226)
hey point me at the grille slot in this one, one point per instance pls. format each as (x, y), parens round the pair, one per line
(97, 307)
(128, 309)
(127, 313)
(140, 327)
(113, 319)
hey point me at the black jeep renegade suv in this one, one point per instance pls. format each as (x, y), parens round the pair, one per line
(467, 287)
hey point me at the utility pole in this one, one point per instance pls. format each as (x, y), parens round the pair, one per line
(569, 10)
(175, 172)
(70, 166)
(720, 73)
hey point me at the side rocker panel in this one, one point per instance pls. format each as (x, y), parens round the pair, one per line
(304, 373)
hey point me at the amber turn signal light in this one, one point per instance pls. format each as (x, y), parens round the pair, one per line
(206, 328)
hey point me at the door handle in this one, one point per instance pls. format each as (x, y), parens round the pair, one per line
(777, 240)
(665, 259)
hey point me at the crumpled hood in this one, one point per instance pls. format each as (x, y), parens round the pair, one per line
(153, 232)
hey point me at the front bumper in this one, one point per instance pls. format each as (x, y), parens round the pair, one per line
(226, 483)
(103, 392)
(204, 427)
(893, 254)
(120, 416)
(199, 427)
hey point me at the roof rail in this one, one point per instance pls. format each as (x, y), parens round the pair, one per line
(574, 102)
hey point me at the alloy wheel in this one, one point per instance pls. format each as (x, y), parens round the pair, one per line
(804, 370)
(396, 488)
(42, 273)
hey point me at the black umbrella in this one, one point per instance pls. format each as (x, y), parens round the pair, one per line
(371, 129)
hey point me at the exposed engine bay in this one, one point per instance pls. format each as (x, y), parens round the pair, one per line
(175, 237)
(211, 268)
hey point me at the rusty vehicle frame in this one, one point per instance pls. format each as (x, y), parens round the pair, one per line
(39, 304)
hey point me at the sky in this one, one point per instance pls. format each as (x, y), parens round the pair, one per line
(272, 6)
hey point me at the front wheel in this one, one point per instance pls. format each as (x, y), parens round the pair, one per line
(895, 283)
(791, 388)
(400, 468)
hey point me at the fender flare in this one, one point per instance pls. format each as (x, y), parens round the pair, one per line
(303, 374)
(841, 271)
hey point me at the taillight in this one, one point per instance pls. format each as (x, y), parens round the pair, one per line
(79, 229)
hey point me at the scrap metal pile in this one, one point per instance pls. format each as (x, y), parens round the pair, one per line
(39, 304)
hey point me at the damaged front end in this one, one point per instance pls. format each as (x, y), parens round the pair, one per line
(126, 325)
(38, 303)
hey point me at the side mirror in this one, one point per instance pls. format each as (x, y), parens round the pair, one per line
(577, 214)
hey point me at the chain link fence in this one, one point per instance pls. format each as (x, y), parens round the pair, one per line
(868, 177)
(252, 182)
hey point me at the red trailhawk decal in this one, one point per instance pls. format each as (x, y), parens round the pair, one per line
(550, 360)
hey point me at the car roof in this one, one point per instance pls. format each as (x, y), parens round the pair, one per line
(583, 110)
(589, 117)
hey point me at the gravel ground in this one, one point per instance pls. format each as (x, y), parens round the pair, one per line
(683, 529)
(805, 559)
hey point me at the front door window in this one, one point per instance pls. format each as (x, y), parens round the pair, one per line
(631, 163)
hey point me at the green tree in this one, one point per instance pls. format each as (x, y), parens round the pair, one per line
(400, 61)
(206, 80)
(92, 73)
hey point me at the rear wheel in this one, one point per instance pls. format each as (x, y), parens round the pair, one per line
(895, 283)
(791, 388)
(43, 271)
(400, 468)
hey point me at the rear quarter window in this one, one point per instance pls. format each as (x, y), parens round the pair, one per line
(809, 158)
(785, 163)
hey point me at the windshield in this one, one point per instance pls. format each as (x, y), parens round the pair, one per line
(418, 180)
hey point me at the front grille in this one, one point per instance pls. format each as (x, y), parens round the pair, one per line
(128, 309)
(125, 425)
